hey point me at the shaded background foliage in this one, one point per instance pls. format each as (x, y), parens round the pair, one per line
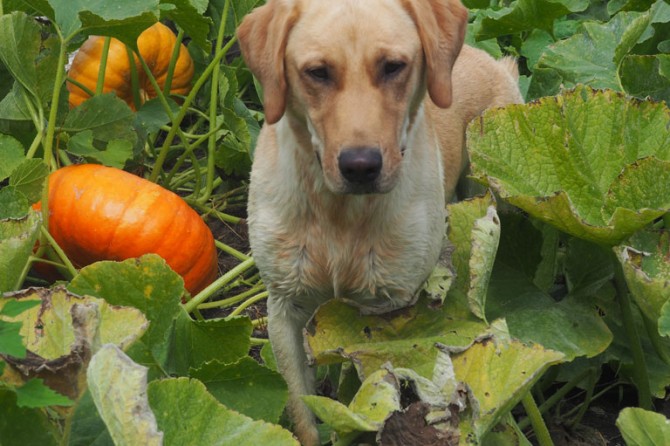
(537, 307)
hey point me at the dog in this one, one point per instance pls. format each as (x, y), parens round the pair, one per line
(366, 105)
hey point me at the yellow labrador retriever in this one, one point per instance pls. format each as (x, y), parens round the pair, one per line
(355, 162)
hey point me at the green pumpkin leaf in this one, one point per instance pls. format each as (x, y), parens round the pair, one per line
(11, 153)
(406, 337)
(188, 14)
(572, 325)
(31, 61)
(461, 224)
(642, 76)
(499, 373)
(35, 394)
(48, 328)
(183, 406)
(125, 19)
(21, 426)
(647, 272)
(574, 61)
(13, 204)
(87, 427)
(13, 308)
(29, 178)
(198, 342)
(17, 240)
(568, 160)
(147, 284)
(524, 15)
(102, 129)
(378, 396)
(11, 341)
(241, 385)
(485, 238)
(641, 427)
(119, 389)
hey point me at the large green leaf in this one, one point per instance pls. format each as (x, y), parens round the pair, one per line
(17, 240)
(35, 394)
(195, 343)
(405, 338)
(31, 61)
(643, 76)
(378, 396)
(647, 272)
(188, 415)
(123, 19)
(119, 389)
(147, 284)
(11, 153)
(592, 56)
(189, 14)
(641, 427)
(571, 325)
(500, 372)
(86, 426)
(102, 129)
(463, 218)
(580, 161)
(29, 178)
(49, 331)
(20, 426)
(525, 15)
(241, 385)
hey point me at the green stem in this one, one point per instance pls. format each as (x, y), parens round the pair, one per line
(220, 215)
(248, 303)
(162, 156)
(258, 341)
(80, 85)
(218, 283)
(134, 79)
(230, 250)
(558, 396)
(103, 66)
(51, 126)
(176, 49)
(213, 107)
(223, 303)
(59, 251)
(587, 399)
(536, 420)
(260, 322)
(640, 374)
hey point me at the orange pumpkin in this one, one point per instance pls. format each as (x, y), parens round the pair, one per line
(102, 213)
(155, 45)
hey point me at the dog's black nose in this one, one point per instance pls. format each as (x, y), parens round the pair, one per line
(360, 165)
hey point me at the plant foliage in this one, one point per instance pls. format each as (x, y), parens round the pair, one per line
(558, 276)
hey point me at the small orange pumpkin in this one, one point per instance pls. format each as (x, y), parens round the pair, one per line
(102, 213)
(155, 45)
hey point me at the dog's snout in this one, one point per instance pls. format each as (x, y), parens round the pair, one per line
(360, 165)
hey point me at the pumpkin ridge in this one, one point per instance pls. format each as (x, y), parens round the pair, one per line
(115, 230)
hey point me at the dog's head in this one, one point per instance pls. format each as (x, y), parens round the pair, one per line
(354, 73)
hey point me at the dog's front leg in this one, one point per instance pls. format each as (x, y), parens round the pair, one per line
(286, 321)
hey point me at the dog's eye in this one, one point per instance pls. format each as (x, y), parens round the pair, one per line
(319, 74)
(392, 69)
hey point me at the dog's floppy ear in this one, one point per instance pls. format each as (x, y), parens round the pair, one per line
(263, 35)
(441, 25)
